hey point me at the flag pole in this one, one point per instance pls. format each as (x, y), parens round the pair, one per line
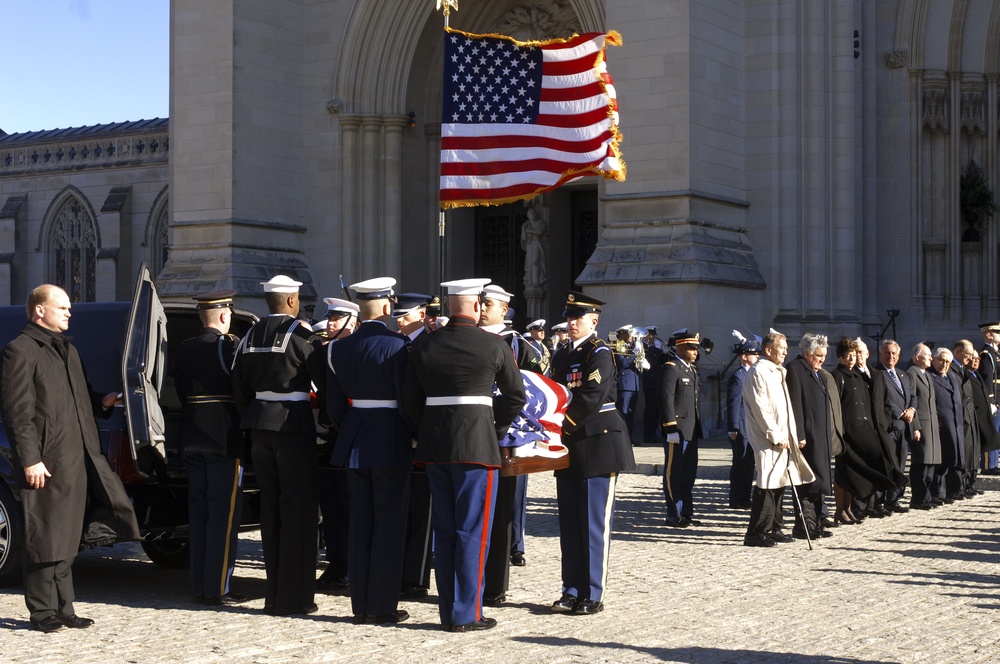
(445, 7)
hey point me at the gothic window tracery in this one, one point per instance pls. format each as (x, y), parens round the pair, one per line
(73, 243)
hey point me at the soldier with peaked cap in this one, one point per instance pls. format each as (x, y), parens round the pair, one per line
(989, 372)
(334, 501)
(448, 397)
(364, 381)
(599, 449)
(511, 491)
(277, 363)
(433, 312)
(629, 379)
(560, 335)
(680, 391)
(741, 471)
(534, 334)
(411, 314)
(212, 444)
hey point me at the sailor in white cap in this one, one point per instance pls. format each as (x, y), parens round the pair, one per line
(560, 335)
(276, 365)
(534, 334)
(341, 317)
(363, 380)
(448, 396)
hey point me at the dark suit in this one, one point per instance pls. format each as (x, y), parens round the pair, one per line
(890, 401)
(951, 421)
(807, 391)
(276, 364)
(742, 469)
(364, 382)
(989, 371)
(680, 388)
(458, 440)
(212, 444)
(651, 394)
(599, 448)
(925, 454)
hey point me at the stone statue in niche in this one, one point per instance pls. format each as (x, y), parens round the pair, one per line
(534, 242)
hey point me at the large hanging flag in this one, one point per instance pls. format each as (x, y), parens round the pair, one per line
(522, 118)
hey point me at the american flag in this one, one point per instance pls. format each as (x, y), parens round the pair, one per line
(537, 430)
(522, 118)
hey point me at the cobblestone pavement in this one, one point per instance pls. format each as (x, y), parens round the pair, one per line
(919, 587)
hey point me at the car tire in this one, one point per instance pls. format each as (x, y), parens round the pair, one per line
(172, 553)
(11, 540)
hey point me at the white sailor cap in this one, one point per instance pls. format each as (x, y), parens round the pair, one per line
(494, 292)
(338, 308)
(320, 328)
(379, 288)
(560, 327)
(624, 328)
(281, 284)
(465, 286)
(536, 324)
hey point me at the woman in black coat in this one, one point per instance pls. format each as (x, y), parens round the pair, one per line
(862, 469)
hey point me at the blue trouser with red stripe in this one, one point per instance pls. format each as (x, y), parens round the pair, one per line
(463, 496)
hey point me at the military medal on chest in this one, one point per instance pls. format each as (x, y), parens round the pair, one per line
(575, 377)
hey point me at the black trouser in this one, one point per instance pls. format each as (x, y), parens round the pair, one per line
(741, 472)
(921, 477)
(764, 511)
(811, 497)
(417, 556)
(335, 506)
(285, 465)
(48, 589)
(497, 571)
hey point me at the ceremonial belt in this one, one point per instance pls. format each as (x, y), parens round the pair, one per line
(606, 408)
(374, 403)
(211, 398)
(460, 401)
(283, 396)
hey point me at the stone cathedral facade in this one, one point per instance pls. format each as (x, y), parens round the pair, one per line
(791, 164)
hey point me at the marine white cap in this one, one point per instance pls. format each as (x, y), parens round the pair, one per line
(497, 293)
(624, 328)
(465, 286)
(337, 305)
(281, 284)
(378, 288)
(560, 327)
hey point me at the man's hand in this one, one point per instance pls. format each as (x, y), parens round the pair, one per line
(733, 435)
(36, 475)
(802, 443)
(916, 436)
(907, 415)
(110, 399)
(673, 438)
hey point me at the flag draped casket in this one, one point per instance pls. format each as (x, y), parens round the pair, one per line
(533, 441)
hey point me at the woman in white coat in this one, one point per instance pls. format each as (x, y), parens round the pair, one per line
(772, 434)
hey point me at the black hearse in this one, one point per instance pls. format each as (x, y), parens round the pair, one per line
(128, 347)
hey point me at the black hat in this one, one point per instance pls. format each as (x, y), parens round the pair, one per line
(990, 327)
(407, 303)
(215, 299)
(578, 304)
(684, 337)
(434, 306)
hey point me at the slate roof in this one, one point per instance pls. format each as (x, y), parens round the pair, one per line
(92, 131)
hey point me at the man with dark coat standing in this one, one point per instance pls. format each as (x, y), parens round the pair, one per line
(807, 390)
(680, 391)
(277, 363)
(896, 412)
(364, 383)
(48, 412)
(742, 468)
(212, 444)
(951, 425)
(448, 398)
(599, 449)
(925, 452)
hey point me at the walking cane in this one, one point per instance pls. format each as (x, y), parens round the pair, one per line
(798, 503)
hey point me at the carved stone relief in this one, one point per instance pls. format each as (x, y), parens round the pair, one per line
(935, 109)
(896, 59)
(555, 18)
(972, 110)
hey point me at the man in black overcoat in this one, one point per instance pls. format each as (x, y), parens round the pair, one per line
(896, 413)
(951, 426)
(48, 410)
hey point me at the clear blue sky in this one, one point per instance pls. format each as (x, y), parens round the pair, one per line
(71, 63)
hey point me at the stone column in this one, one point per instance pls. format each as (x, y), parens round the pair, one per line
(350, 244)
(392, 195)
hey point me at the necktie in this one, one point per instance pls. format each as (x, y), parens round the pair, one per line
(895, 379)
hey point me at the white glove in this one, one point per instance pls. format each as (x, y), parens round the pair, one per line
(673, 438)
(644, 364)
(993, 409)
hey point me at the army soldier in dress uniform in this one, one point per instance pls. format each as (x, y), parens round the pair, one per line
(448, 396)
(276, 365)
(599, 448)
(989, 371)
(534, 334)
(680, 389)
(364, 381)
(213, 449)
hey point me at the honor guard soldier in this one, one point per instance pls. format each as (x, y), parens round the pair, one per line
(276, 365)
(599, 448)
(534, 334)
(680, 389)
(989, 371)
(448, 397)
(212, 442)
(629, 369)
(413, 320)
(653, 348)
(433, 312)
(741, 470)
(341, 319)
(560, 334)
(364, 382)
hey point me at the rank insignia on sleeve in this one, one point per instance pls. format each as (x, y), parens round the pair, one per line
(595, 376)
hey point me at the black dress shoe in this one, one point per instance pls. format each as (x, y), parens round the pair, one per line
(359, 619)
(780, 537)
(495, 600)
(198, 599)
(823, 533)
(874, 514)
(588, 607)
(331, 580)
(565, 604)
(517, 559)
(229, 599)
(305, 610)
(50, 624)
(412, 591)
(479, 625)
(389, 618)
(897, 508)
(688, 521)
(758, 540)
(676, 523)
(76, 622)
(921, 506)
(828, 523)
(971, 493)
